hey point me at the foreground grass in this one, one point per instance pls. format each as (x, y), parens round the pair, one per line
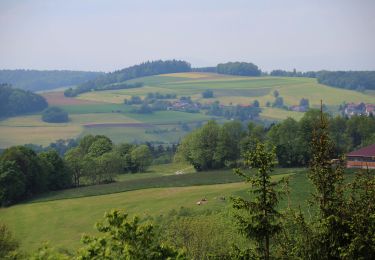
(62, 222)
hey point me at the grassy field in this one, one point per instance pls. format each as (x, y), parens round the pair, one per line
(237, 90)
(279, 114)
(131, 182)
(62, 222)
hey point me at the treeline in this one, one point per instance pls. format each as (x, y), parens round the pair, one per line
(142, 70)
(215, 146)
(87, 87)
(35, 80)
(238, 68)
(94, 160)
(15, 101)
(232, 68)
(238, 112)
(354, 80)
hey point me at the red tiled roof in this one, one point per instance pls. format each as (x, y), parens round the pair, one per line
(368, 151)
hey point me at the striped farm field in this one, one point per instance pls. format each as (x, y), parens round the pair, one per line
(236, 89)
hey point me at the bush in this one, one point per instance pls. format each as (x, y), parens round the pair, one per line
(208, 94)
(55, 115)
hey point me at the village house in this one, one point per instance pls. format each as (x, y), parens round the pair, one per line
(363, 158)
(370, 109)
(298, 108)
(353, 109)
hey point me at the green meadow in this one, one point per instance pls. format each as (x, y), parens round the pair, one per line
(63, 218)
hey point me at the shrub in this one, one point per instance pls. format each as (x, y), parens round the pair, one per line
(55, 115)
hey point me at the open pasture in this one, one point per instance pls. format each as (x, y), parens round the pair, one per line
(279, 114)
(42, 135)
(64, 221)
(57, 98)
(31, 129)
(137, 133)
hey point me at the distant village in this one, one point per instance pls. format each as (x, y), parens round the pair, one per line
(352, 109)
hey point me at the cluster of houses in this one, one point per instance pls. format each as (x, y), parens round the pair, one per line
(182, 105)
(352, 109)
(299, 108)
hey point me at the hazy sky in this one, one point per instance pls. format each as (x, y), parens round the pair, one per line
(106, 35)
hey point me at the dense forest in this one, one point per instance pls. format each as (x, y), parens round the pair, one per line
(15, 101)
(354, 80)
(113, 79)
(35, 80)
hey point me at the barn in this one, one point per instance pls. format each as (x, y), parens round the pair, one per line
(362, 158)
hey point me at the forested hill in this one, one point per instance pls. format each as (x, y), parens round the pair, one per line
(115, 80)
(35, 80)
(17, 101)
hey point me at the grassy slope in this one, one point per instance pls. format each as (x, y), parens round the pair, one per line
(62, 222)
(156, 180)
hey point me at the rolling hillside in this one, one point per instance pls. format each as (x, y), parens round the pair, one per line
(65, 220)
(103, 112)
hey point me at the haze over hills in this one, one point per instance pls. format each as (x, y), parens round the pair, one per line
(36, 80)
(208, 129)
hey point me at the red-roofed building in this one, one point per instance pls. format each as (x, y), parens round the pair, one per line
(362, 158)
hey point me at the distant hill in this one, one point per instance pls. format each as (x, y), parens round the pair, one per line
(35, 80)
(15, 101)
(354, 80)
(115, 80)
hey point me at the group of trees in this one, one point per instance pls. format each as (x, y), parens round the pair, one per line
(212, 146)
(117, 78)
(88, 86)
(61, 146)
(35, 80)
(342, 227)
(355, 80)
(23, 173)
(238, 68)
(204, 147)
(95, 159)
(17, 101)
(55, 115)
(232, 68)
(158, 95)
(238, 112)
(291, 138)
(207, 94)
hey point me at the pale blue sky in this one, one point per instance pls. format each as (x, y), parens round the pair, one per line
(106, 35)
